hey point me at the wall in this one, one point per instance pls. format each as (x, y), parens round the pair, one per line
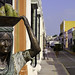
(69, 25)
(73, 34)
(41, 38)
(20, 31)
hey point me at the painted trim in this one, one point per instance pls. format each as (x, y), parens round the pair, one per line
(13, 3)
(64, 26)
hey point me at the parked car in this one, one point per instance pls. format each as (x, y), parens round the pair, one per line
(52, 43)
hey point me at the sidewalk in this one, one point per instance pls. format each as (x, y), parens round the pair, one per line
(52, 66)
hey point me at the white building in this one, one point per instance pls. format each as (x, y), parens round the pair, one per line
(35, 16)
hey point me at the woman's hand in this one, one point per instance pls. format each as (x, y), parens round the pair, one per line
(25, 20)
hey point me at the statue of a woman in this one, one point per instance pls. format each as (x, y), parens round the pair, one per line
(11, 64)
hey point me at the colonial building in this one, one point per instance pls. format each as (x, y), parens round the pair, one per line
(32, 9)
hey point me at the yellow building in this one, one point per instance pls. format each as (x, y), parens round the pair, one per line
(64, 27)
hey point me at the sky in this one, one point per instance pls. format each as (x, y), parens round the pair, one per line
(54, 12)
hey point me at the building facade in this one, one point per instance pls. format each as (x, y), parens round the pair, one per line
(32, 9)
(66, 31)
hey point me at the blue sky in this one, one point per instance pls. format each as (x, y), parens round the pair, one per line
(55, 11)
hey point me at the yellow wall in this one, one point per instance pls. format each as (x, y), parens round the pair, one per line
(20, 32)
(69, 25)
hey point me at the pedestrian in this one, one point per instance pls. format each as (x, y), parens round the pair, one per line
(45, 53)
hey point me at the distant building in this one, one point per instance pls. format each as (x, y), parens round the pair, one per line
(66, 32)
(71, 37)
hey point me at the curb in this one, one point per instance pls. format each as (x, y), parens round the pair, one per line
(64, 68)
(73, 53)
(62, 65)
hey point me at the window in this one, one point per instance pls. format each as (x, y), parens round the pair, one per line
(34, 27)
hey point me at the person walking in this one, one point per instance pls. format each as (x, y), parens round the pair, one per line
(45, 53)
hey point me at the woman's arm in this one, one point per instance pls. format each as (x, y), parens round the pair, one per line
(35, 47)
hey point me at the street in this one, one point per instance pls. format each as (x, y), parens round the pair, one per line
(52, 66)
(68, 60)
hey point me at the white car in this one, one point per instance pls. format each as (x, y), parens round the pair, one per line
(52, 43)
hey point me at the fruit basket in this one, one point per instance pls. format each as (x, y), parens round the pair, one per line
(6, 21)
(8, 16)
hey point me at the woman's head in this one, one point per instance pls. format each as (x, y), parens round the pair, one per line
(6, 39)
(5, 42)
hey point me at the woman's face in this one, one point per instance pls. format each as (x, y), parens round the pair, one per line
(5, 50)
(5, 43)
